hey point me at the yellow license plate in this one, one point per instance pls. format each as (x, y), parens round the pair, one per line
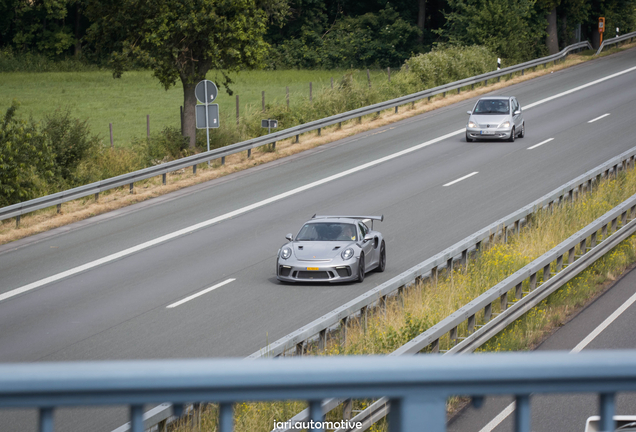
(313, 268)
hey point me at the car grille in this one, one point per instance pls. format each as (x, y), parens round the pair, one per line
(284, 270)
(312, 275)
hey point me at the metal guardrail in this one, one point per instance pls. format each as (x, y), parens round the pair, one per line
(512, 286)
(416, 386)
(297, 340)
(615, 40)
(16, 210)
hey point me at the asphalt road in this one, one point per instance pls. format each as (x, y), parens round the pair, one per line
(118, 309)
(568, 412)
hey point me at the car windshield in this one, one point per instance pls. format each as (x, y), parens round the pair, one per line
(492, 106)
(327, 231)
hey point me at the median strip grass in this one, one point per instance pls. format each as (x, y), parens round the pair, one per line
(47, 219)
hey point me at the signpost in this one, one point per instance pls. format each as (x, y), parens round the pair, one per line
(601, 27)
(207, 115)
(269, 124)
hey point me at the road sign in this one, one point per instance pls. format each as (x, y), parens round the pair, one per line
(601, 24)
(269, 124)
(206, 91)
(213, 116)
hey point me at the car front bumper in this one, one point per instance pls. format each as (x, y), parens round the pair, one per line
(320, 272)
(478, 134)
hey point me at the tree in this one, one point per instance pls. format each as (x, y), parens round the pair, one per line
(508, 28)
(26, 162)
(184, 39)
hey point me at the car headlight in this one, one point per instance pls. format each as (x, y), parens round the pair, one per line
(472, 124)
(347, 254)
(285, 253)
(505, 125)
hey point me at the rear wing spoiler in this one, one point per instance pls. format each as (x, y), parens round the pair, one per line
(380, 218)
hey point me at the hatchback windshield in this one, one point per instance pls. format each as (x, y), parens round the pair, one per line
(492, 106)
(325, 231)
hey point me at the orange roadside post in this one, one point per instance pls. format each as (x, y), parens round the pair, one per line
(601, 27)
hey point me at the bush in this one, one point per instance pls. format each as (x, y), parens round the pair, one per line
(71, 142)
(11, 61)
(451, 63)
(161, 147)
(26, 161)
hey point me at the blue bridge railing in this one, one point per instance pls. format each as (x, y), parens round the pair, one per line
(416, 386)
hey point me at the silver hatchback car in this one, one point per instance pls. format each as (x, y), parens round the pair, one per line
(496, 117)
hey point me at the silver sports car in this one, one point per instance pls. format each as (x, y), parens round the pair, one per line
(332, 249)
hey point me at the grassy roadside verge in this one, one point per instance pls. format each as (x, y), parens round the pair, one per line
(427, 303)
(47, 219)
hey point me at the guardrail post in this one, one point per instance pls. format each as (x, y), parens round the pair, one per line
(464, 259)
(485, 82)
(582, 247)
(299, 349)
(434, 276)
(522, 413)
(593, 240)
(632, 212)
(131, 187)
(343, 331)
(162, 426)
(449, 266)
(522, 70)
(223, 157)
(315, 413)
(226, 417)
(319, 131)
(559, 264)
(453, 335)
(444, 94)
(504, 232)
(478, 246)
(589, 185)
(533, 281)
(607, 411)
(516, 231)
(546, 273)
(194, 169)
(472, 86)
(59, 208)
(571, 256)
(137, 418)
(488, 312)
(604, 231)
(383, 300)
(614, 223)
(97, 195)
(396, 110)
(499, 79)
(519, 291)
(459, 90)
(503, 302)
(363, 316)
(435, 346)
(571, 195)
(413, 412)
(46, 420)
(322, 340)
(347, 409)
(471, 323)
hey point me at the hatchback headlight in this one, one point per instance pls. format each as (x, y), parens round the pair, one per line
(505, 125)
(347, 254)
(472, 124)
(285, 253)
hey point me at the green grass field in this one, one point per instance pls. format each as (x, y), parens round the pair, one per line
(125, 102)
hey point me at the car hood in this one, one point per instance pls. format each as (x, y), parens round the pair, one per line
(491, 119)
(319, 250)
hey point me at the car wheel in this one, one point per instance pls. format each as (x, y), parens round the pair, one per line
(512, 135)
(468, 139)
(382, 262)
(523, 130)
(361, 267)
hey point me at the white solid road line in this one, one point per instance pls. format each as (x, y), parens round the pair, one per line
(541, 143)
(461, 178)
(200, 293)
(204, 224)
(598, 118)
(585, 342)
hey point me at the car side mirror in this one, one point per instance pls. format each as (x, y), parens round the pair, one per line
(290, 237)
(368, 237)
(469, 112)
(517, 112)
